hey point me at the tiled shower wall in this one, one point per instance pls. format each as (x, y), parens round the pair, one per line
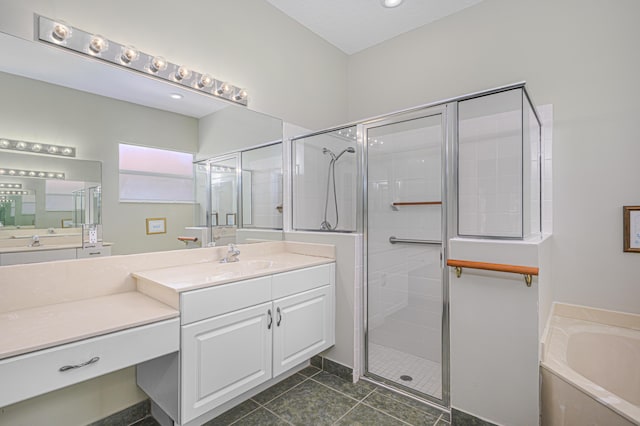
(404, 281)
(310, 172)
(266, 197)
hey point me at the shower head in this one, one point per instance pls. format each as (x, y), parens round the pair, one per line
(349, 149)
(328, 151)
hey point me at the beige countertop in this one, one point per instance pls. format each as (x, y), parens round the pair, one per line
(42, 327)
(192, 277)
(256, 260)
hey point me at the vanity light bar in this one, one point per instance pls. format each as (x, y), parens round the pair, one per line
(10, 185)
(14, 192)
(37, 147)
(7, 200)
(31, 174)
(96, 46)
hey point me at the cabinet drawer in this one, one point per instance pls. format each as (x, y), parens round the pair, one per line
(289, 283)
(83, 253)
(205, 303)
(39, 372)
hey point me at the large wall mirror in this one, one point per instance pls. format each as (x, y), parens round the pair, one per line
(53, 96)
(240, 196)
(68, 194)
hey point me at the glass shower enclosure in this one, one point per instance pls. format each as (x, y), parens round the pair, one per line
(466, 167)
(405, 227)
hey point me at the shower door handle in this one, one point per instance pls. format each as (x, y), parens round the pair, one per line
(394, 240)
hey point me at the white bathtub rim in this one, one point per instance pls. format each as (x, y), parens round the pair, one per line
(554, 360)
(614, 408)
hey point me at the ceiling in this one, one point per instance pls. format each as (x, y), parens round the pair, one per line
(354, 25)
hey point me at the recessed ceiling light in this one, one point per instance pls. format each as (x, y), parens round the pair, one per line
(392, 3)
(176, 96)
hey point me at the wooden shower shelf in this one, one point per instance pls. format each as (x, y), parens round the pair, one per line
(416, 203)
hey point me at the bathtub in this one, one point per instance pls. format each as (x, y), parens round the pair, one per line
(590, 367)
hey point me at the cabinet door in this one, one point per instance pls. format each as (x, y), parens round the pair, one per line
(224, 356)
(303, 327)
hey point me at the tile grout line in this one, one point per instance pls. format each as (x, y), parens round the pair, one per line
(263, 405)
(286, 391)
(411, 406)
(348, 411)
(387, 414)
(275, 414)
(406, 405)
(342, 393)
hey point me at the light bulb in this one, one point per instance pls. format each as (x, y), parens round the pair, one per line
(36, 147)
(241, 95)
(60, 176)
(22, 173)
(21, 145)
(224, 89)
(98, 44)
(41, 174)
(3, 171)
(67, 151)
(50, 175)
(129, 54)
(4, 143)
(205, 80)
(157, 64)
(391, 3)
(182, 73)
(32, 174)
(52, 150)
(60, 32)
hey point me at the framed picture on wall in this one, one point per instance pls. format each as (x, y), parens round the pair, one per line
(214, 219)
(631, 228)
(67, 223)
(156, 225)
(231, 218)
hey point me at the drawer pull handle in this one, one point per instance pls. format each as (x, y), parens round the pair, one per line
(71, 367)
(94, 253)
(270, 320)
(279, 317)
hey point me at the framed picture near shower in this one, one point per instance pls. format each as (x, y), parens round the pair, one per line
(631, 227)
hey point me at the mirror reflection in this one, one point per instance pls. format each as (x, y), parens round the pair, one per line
(92, 119)
(239, 197)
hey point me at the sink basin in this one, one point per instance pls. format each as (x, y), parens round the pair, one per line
(247, 267)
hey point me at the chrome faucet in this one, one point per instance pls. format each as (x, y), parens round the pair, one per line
(35, 241)
(232, 254)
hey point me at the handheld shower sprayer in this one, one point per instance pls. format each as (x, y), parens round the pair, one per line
(326, 225)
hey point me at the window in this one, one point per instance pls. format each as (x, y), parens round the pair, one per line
(155, 175)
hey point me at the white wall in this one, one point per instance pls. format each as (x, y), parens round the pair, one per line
(579, 56)
(288, 71)
(95, 125)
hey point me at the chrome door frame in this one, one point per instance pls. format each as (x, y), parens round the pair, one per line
(447, 113)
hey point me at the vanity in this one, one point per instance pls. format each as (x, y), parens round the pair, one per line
(243, 326)
(204, 335)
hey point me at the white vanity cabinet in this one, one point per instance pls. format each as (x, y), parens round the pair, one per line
(238, 336)
(223, 357)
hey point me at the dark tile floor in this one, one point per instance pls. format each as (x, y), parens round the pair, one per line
(314, 397)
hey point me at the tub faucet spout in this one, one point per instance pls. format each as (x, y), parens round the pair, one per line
(232, 254)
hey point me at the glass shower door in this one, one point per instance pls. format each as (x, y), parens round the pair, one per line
(404, 234)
